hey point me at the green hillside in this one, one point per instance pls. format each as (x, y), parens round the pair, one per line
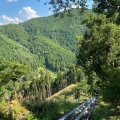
(15, 52)
(15, 32)
(51, 40)
(50, 61)
(61, 30)
(51, 54)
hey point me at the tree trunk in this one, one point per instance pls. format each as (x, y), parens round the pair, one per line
(15, 94)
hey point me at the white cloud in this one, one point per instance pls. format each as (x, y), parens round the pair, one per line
(62, 9)
(74, 6)
(50, 12)
(1, 23)
(12, 0)
(8, 20)
(27, 13)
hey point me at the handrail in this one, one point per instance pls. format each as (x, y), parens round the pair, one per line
(81, 114)
(91, 100)
(89, 114)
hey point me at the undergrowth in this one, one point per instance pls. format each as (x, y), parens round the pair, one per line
(104, 111)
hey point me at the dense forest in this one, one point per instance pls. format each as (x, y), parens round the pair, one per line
(37, 59)
(51, 41)
(42, 56)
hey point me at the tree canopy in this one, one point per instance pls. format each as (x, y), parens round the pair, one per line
(99, 51)
(108, 7)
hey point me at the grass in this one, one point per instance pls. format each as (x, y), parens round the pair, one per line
(67, 94)
(54, 106)
(57, 105)
(65, 99)
(68, 91)
(17, 111)
(104, 111)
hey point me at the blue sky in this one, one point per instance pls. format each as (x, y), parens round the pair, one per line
(16, 11)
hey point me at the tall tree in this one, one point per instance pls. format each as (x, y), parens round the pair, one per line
(108, 7)
(99, 48)
(11, 71)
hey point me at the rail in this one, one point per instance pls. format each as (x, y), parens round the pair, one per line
(82, 111)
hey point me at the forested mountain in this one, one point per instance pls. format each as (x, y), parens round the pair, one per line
(60, 30)
(48, 41)
(41, 46)
(50, 61)
(15, 52)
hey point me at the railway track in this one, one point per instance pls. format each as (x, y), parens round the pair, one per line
(81, 112)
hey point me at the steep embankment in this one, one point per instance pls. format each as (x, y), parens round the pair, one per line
(66, 92)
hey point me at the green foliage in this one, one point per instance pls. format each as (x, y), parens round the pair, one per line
(99, 54)
(103, 111)
(16, 33)
(111, 85)
(31, 117)
(15, 52)
(83, 87)
(102, 43)
(54, 56)
(10, 75)
(58, 108)
(48, 42)
(62, 31)
(12, 70)
(108, 7)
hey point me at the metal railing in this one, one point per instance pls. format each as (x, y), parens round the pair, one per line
(80, 111)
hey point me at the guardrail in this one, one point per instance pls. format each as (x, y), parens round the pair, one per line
(80, 111)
